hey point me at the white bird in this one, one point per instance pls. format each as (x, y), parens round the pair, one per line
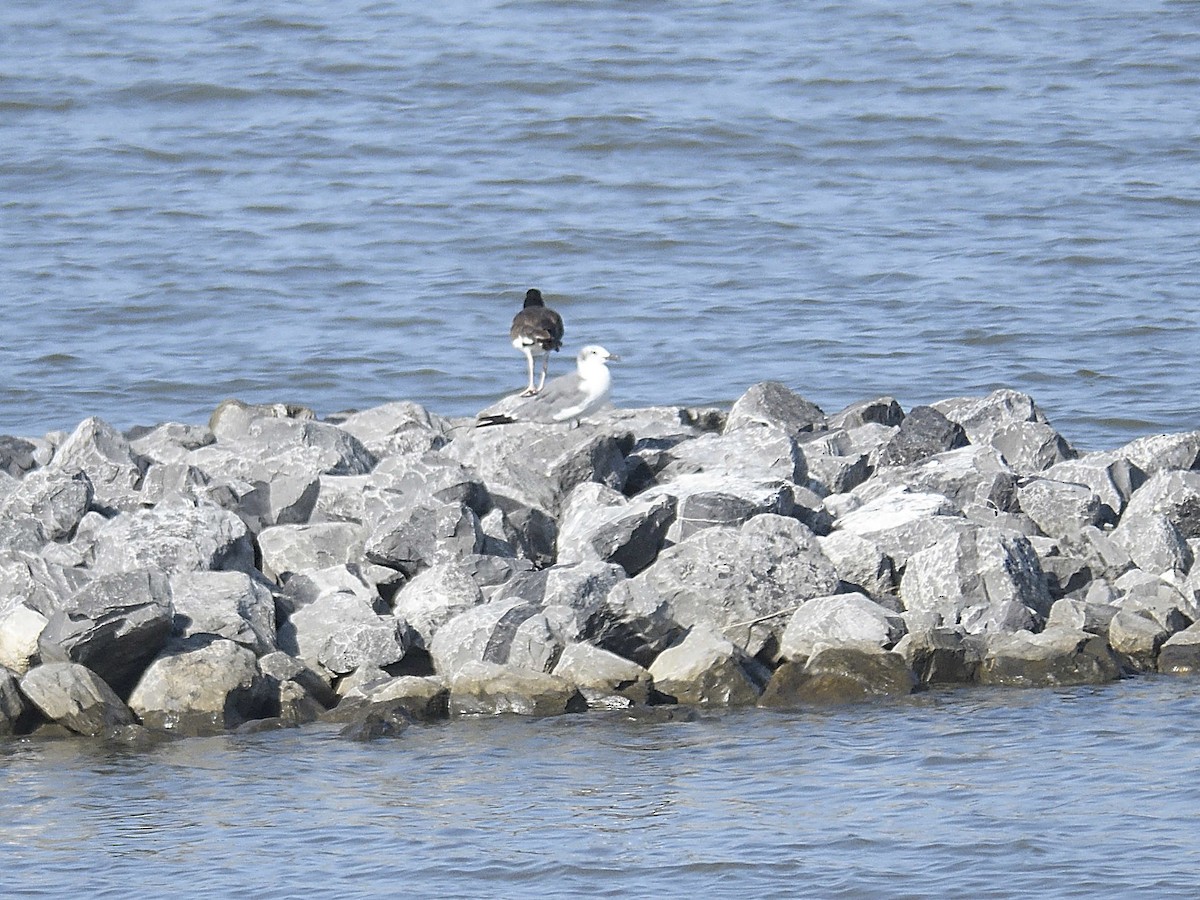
(567, 398)
(536, 330)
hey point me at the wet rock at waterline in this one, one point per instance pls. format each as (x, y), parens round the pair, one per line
(388, 566)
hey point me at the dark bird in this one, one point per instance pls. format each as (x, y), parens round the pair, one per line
(536, 330)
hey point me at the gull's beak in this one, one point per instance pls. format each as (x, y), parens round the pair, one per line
(612, 357)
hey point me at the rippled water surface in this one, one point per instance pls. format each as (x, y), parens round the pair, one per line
(977, 793)
(342, 204)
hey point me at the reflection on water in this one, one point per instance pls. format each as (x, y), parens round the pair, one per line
(974, 792)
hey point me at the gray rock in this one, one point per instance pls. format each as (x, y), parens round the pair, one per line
(598, 523)
(940, 655)
(984, 579)
(923, 433)
(20, 628)
(176, 536)
(1172, 494)
(308, 587)
(705, 500)
(1112, 480)
(424, 535)
(1163, 599)
(492, 573)
(56, 499)
(295, 692)
(901, 521)
(1032, 447)
(170, 442)
(13, 707)
(165, 481)
(17, 456)
(835, 464)
(742, 581)
(230, 605)
(1061, 509)
(341, 631)
(203, 685)
(773, 404)
(37, 582)
(530, 531)
(486, 689)
(114, 625)
(969, 477)
(1136, 638)
(433, 476)
(840, 620)
(982, 417)
(1162, 452)
(1054, 657)
(1180, 653)
(607, 681)
(1081, 615)
(540, 465)
(397, 428)
(100, 451)
(1066, 573)
(880, 411)
(76, 697)
(1154, 544)
(231, 420)
(761, 453)
(435, 596)
(422, 699)
(839, 675)
(287, 549)
(860, 563)
(706, 669)
(1105, 557)
(25, 535)
(635, 622)
(511, 633)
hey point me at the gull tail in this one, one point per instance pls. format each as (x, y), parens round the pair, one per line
(493, 419)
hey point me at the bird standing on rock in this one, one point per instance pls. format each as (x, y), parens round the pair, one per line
(536, 330)
(567, 398)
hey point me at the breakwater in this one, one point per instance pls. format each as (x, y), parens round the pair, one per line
(378, 567)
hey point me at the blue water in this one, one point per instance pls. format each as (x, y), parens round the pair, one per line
(975, 793)
(343, 204)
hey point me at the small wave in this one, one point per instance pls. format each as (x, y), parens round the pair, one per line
(184, 92)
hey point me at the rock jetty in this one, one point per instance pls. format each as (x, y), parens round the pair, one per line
(381, 567)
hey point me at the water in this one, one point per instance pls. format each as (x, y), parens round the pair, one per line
(343, 204)
(976, 793)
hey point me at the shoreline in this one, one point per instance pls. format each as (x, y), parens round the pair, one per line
(385, 566)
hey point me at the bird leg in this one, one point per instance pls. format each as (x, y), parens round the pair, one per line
(531, 390)
(545, 366)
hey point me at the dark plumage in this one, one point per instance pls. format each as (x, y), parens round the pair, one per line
(536, 330)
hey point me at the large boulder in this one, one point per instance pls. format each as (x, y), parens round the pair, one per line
(1174, 495)
(114, 625)
(295, 692)
(423, 699)
(1180, 653)
(1112, 480)
(839, 675)
(923, 433)
(985, 579)
(1136, 638)
(485, 689)
(760, 453)
(773, 404)
(607, 681)
(425, 534)
(104, 455)
(287, 549)
(55, 498)
(941, 655)
(539, 466)
(13, 707)
(1061, 509)
(1154, 544)
(435, 596)
(600, 523)
(433, 477)
(341, 631)
(970, 477)
(230, 605)
(169, 442)
(743, 581)
(76, 697)
(176, 536)
(903, 522)
(18, 456)
(37, 582)
(840, 620)
(201, 685)
(396, 428)
(1162, 452)
(860, 563)
(512, 633)
(1054, 657)
(706, 669)
(704, 500)
(20, 629)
